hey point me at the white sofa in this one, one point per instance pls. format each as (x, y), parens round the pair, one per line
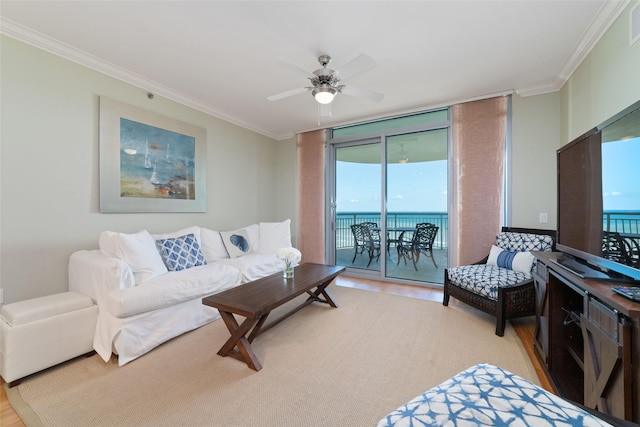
(149, 287)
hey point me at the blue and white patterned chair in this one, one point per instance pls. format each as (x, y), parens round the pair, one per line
(501, 284)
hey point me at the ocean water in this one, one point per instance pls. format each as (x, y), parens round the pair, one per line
(624, 222)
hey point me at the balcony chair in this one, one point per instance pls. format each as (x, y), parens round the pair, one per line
(364, 240)
(421, 242)
(501, 284)
(619, 248)
(374, 230)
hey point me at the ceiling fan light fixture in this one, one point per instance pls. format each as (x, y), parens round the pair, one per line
(324, 94)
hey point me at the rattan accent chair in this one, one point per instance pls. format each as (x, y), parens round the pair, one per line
(503, 290)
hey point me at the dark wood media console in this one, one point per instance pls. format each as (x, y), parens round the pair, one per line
(588, 339)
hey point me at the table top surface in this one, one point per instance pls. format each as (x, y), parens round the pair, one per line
(263, 295)
(600, 288)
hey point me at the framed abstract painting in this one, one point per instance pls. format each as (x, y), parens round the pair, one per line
(149, 162)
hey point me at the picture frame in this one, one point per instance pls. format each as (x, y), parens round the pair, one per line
(150, 162)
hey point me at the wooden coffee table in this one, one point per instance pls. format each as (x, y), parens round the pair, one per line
(255, 300)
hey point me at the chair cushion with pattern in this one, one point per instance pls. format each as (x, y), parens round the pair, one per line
(524, 241)
(484, 280)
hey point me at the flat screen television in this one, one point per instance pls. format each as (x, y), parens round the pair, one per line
(599, 200)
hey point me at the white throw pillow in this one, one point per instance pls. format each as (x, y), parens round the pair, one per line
(253, 231)
(138, 250)
(516, 261)
(274, 236)
(237, 242)
(212, 245)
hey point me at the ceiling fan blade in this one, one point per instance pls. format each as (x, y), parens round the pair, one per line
(357, 65)
(279, 96)
(362, 93)
(293, 67)
(325, 110)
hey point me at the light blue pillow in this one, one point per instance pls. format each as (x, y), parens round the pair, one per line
(180, 253)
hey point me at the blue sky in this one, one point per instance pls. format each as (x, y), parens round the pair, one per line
(621, 175)
(412, 187)
(423, 186)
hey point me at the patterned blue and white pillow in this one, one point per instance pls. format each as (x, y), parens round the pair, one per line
(513, 241)
(486, 395)
(180, 253)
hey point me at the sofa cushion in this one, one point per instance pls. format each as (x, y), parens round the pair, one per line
(517, 261)
(255, 266)
(179, 253)
(274, 235)
(138, 250)
(485, 279)
(172, 288)
(212, 245)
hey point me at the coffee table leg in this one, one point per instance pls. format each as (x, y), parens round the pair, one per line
(328, 298)
(322, 290)
(244, 352)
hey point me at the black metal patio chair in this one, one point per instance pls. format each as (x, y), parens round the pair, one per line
(364, 240)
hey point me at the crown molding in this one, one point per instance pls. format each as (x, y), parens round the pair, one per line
(553, 85)
(603, 20)
(606, 16)
(55, 47)
(609, 12)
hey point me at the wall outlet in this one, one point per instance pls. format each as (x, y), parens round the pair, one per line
(544, 218)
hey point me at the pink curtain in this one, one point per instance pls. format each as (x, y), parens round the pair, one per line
(310, 148)
(479, 130)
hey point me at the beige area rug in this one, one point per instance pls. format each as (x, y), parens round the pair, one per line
(348, 366)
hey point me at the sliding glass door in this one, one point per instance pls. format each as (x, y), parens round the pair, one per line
(357, 201)
(388, 203)
(416, 195)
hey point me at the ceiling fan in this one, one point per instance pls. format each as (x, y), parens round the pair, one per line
(326, 83)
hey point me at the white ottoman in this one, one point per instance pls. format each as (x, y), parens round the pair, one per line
(41, 332)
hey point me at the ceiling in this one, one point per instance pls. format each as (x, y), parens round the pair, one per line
(221, 57)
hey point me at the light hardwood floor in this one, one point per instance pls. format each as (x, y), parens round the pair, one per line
(524, 328)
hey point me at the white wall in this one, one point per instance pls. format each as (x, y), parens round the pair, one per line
(49, 157)
(535, 139)
(49, 186)
(606, 82)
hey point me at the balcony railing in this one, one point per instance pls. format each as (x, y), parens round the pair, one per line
(622, 222)
(627, 223)
(344, 221)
